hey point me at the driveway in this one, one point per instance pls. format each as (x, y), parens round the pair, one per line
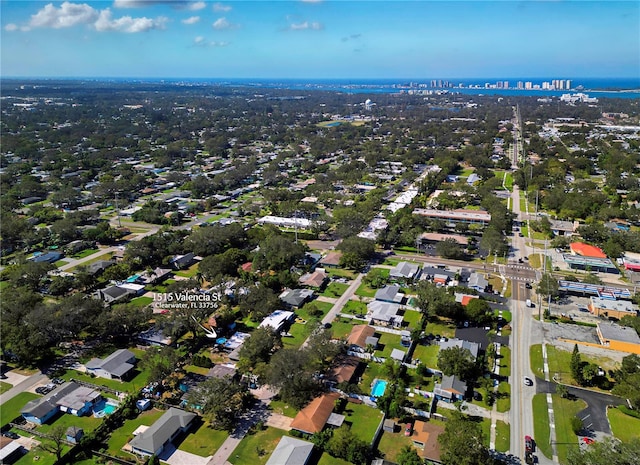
(174, 456)
(594, 417)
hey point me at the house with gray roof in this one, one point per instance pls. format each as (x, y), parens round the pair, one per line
(477, 282)
(384, 313)
(472, 347)
(291, 451)
(450, 389)
(113, 294)
(68, 398)
(296, 298)
(390, 294)
(118, 365)
(405, 271)
(155, 438)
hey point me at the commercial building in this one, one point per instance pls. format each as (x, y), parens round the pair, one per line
(611, 308)
(619, 338)
(455, 216)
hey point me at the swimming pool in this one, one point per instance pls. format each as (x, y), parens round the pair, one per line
(103, 408)
(378, 387)
(134, 278)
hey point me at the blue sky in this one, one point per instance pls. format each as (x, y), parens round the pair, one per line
(320, 39)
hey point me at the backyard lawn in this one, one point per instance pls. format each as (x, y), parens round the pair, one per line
(255, 449)
(124, 434)
(334, 290)
(203, 441)
(428, 355)
(341, 327)
(364, 420)
(87, 423)
(388, 342)
(189, 272)
(135, 384)
(441, 327)
(391, 444)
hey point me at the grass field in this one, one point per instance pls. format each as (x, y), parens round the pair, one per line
(502, 436)
(203, 441)
(4, 387)
(537, 362)
(441, 327)
(124, 434)
(283, 408)
(388, 342)
(87, 423)
(334, 290)
(11, 408)
(136, 383)
(563, 411)
(255, 449)
(189, 272)
(541, 429)
(85, 253)
(505, 361)
(503, 403)
(354, 307)
(363, 420)
(365, 291)
(428, 355)
(391, 444)
(560, 362)
(623, 426)
(104, 256)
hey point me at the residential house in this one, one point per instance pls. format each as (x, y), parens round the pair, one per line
(464, 299)
(97, 268)
(405, 271)
(180, 262)
(277, 320)
(563, 228)
(318, 413)
(390, 294)
(472, 347)
(342, 370)
(362, 336)
(315, 280)
(425, 437)
(155, 276)
(331, 260)
(291, 451)
(113, 294)
(68, 398)
(437, 275)
(10, 450)
(155, 438)
(385, 313)
(478, 282)
(222, 371)
(118, 365)
(47, 257)
(296, 298)
(450, 389)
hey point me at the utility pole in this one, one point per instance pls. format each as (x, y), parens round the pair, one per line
(118, 211)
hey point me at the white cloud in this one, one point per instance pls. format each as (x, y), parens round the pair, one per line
(11, 27)
(73, 14)
(127, 23)
(178, 4)
(195, 6)
(219, 7)
(191, 20)
(306, 25)
(200, 41)
(68, 15)
(223, 23)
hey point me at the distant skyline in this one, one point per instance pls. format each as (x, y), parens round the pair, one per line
(319, 39)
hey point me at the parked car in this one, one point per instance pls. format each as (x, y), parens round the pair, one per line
(528, 381)
(10, 435)
(528, 444)
(42, 390)
(408, 429)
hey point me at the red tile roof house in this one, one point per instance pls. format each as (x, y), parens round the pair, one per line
(313, 418)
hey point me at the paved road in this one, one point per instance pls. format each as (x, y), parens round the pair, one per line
(344, 298)
(25, 385)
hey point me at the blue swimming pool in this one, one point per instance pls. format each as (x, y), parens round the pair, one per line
(103, 408)
(378, 387)
(134, 278)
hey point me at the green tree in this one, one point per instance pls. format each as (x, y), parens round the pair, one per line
(355, 252)
(258, 348)
(478, 311)
(408, 456)
(449, 248)
(610, 451)
(222, 401)
(548, 286)
(54, 443)
(159, 362)
(376, 278)
(462, 442)
(576, 365)
(345, 444)
(457, 361)
(259, 302)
